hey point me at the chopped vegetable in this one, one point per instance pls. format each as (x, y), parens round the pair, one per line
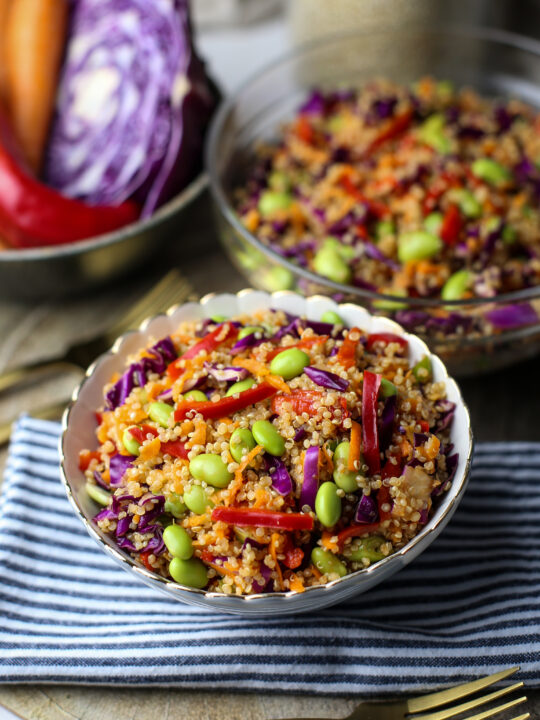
(249, 517)
(370, 432)
(226, 406)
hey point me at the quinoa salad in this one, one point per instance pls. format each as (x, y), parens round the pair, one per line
(416, 191)
(269, 452)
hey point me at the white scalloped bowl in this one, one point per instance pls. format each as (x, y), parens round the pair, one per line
(79, 432)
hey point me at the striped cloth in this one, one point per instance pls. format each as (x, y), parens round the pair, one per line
(470, 605)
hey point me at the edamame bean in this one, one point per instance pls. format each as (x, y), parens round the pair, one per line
(345, 479)
(467, 202)
(265, 434)
(418, 245)
(210, 469)
(218, 319)
(249, 330)
(129, 442)
(240, 386)
(384, 228)
(278, 278)
(367, 548)
(195, 395)
(197, 500)
(432, 133)
(433, 223)
(279, 182)
(391, 304)
(456, 285)
(329, 263)
(509, 235)
(241, 442)
(289, 363)
(387, 388)
(272, 201)
(423, 371)
(491, 171)
(178, 542)
(192, 572)
(327, 563)
(331, 317)
(98, 494)
(160, 412)
(175, 505)
(328, 504)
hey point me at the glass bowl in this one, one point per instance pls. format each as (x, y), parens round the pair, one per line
(493, 62)
(79, 428)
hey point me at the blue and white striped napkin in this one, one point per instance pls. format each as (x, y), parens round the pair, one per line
(469, 606)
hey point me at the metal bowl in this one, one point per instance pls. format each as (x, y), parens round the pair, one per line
(79, 432)
(493, 62)
(63, 270)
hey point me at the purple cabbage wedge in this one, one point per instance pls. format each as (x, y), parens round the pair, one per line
(161, 354)
(326, 379)
(311, 477)
(366, 510)
(281, 480)
(118, 466)
(133, 104)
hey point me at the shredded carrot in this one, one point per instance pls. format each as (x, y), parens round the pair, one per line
(261, 498)
(274, 540)
(325, 459)
(405, 448)
(431, 448)
(254, 366)
(328, 543)
(135, 519)
(278, 383)
(154, 390)
(221, 569)
(355, 449)
(296, 584)
(199, 434)
(186, 427)
(150, 449)
(251, 220)
(315, 571)
(238, 481)
(195, 520)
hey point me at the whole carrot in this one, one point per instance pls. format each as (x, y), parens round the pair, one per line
(35, 38)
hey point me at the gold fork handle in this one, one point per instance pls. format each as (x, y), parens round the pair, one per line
(33, 372)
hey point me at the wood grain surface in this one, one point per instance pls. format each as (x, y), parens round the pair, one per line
(504, 406)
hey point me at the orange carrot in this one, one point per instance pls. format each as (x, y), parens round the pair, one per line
(236, 484)
(296, 584)
(274, 540)
(355, 451)
(278, 383)
(35, 39)
(4, 12)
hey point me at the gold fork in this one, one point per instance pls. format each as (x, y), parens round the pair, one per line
(413, 706)
(173, 288)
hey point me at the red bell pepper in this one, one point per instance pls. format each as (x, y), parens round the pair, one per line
(175, 448)
(301, 345)
(227, 405)
(424, 425)
(34, 215)
(140, 433)
(254, 517)
(293, 557)
(384, 498)
(376, 208)
(390, 469)
(304, 129)
(356, 531)
(386, 338)
(370, 431)
(208, 344)
(394, 128)
(346, 355)
(451, 225)
(304, 401)
(86, 456)
(143, 557)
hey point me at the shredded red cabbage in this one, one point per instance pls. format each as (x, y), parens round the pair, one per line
(326, 379)
(226, 374)
(265, 572)
(387, 421)
(281, 480)
(366, 510)
(311, 477)
(100, 481)
(118, 465)
(512, 316)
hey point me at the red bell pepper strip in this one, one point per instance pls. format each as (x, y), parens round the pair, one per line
(86, 456)
(227, 405)
(208, 344)
(34, 215)
(395, 127)
(390, 469)
(304, 129)
(370, 431)
(175, 448)
(346, 355)
(301, 345)
(254, 517)
(386, 339)
(143, 556)
(356, 531)
(376, 208)
(424, 425)
(140, 433)
(384, 498)
(451, 225)
(304, 401)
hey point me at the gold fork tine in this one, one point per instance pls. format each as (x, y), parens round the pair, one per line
(433, 700)
(171, 289)
(464, 707)
(494, 711)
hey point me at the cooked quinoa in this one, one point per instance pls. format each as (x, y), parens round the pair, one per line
(419, 191)
(344, 448)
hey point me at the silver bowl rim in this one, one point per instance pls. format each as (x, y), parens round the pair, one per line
(131, 565)
(78, 247)
(227, 106)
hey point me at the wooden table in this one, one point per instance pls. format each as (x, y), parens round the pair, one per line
(504, 406)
